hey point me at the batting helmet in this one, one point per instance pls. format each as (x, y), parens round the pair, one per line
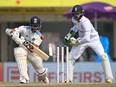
(77, 9)
(35, 21)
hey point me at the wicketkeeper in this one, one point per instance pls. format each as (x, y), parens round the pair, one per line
(32, 34)
(88, 37)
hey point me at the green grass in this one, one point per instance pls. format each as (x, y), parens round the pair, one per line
(58, 85)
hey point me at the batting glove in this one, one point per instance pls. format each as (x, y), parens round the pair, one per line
(15, 37)
(9, 31)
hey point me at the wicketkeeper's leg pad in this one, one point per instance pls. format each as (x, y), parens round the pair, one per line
(71, 63)
(106, 66)
(104, 57)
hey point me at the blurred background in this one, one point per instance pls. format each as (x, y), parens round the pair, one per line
(56, 23)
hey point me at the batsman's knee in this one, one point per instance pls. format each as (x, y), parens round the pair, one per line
(104, 57)
(19, 52)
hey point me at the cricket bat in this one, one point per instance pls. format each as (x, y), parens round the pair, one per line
(36, 50)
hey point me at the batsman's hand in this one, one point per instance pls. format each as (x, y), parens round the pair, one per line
(15, 37)
(73, 41)
(28, 45)
(9, 31)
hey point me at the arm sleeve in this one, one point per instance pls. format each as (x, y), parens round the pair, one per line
(74, 28)
(38, 39)
(20, 29)
(87, 31)
(14, 33)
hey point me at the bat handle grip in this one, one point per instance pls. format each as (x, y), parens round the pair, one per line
(28, 45)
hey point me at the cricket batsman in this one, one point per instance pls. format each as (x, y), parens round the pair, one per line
(32, 34)
(87, 37)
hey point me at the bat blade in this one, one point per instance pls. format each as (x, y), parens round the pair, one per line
(31, 48)
(39, 52)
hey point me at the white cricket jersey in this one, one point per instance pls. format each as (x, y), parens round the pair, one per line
(85, 29)
(27, 34)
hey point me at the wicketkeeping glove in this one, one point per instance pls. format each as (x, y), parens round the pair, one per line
(69, 35)
(73, 41)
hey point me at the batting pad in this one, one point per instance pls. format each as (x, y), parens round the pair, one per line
(36, 62)
(21, 57)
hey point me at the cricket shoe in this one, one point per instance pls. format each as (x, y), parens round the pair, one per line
(42, 77)
(68, 81)
(109, 81)
(24, 81)
(46, 80)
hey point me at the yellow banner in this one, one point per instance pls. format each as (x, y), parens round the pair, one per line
(48, 3)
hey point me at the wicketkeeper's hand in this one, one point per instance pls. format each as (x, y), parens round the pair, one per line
(73, 41)
(69, 35)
